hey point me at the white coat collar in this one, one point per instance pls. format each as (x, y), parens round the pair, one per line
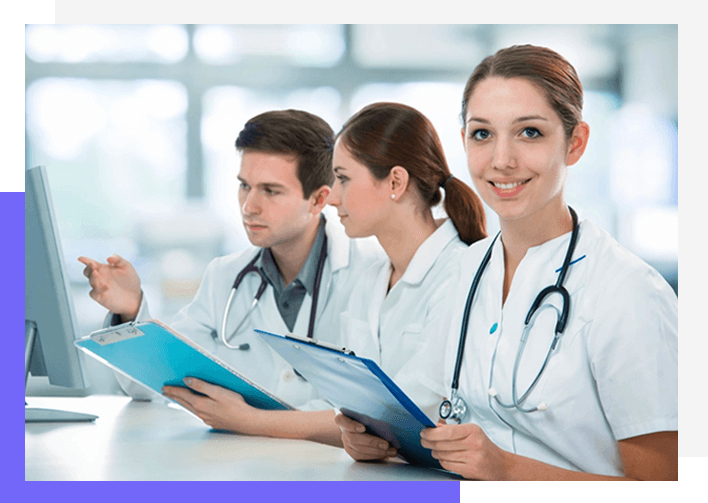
(337, 244)
(428, 252)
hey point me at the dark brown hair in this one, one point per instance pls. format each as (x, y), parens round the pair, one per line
(384, 135)
(546, 68)
(293, 132)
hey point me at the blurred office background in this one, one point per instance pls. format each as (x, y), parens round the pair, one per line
(136, 127)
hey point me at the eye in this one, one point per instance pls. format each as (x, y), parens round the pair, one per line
(342, 179)
(243, 186)
(480, 134)
(531, 132)
(270, 191)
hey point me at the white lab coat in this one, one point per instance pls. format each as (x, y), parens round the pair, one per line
(389, 326)
(613, 376)
(203, 316)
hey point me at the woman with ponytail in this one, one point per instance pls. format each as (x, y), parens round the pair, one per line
(390, 171)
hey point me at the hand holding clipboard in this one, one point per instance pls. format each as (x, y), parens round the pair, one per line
(362, 391)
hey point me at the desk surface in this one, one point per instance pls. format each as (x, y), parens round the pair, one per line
(148, 441)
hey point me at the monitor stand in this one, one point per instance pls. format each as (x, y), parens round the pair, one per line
(55, 416)
(45, 415)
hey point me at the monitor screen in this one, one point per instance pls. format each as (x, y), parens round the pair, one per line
(49, 312)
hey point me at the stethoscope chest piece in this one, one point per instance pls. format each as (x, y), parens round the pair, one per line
(453, 410)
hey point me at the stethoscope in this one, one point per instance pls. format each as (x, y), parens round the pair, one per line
(455, 408)
(252, 267)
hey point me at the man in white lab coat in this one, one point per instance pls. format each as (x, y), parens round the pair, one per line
(285, 176)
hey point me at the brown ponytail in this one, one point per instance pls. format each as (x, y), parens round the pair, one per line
(465, 209)
(384, 135)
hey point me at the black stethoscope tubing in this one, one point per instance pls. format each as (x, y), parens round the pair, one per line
(456, 402)
(251, 267)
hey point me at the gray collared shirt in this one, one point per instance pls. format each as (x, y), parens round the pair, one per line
(289, 299)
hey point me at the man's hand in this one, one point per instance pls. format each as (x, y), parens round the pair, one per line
(218, 407)
(115, 285)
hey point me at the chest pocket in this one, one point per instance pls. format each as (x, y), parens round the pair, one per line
(397, 350)
(552, 384)
(356, 336)
(565, 387)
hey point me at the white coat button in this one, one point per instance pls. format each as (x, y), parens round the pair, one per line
(288, 376)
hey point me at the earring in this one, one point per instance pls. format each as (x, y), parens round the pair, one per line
(393, 196)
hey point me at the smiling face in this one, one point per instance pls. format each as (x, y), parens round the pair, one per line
(517, 150)
(360, 199)
(274, 211)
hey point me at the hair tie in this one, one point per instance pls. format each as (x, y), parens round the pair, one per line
(442, 185)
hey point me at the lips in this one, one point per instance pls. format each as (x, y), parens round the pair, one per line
(253, 226)
(509, 188)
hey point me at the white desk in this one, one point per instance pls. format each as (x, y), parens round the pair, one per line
(146, 441)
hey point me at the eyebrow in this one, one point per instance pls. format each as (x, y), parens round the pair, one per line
(339, 168)
(269, 185)
(519, 119)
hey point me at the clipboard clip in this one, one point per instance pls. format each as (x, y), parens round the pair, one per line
(116, 333)
(322, 344)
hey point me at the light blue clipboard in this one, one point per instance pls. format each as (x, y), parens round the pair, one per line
(360, 390)
(156, 356)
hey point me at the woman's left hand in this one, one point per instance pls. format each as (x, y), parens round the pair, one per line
(220, 408)
(466, 450)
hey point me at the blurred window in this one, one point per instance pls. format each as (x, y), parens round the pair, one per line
(300, 45)
(106, 43)
(417, 46)
(112, 149)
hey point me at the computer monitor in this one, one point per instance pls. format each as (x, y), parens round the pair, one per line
(50, 322)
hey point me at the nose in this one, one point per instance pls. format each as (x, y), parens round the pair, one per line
(504, 155)
(250, 204)
(335, 195)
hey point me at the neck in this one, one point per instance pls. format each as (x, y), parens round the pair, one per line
(519, 235)
(401, 237)
(291, 256)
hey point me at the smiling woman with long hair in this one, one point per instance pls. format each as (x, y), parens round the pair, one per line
(568, 363)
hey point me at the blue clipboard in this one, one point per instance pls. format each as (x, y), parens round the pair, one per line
(155, 355)
(360, 390)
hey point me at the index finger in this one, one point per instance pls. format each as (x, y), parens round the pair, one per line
(180, 394)
(88, 261)
(446, 432)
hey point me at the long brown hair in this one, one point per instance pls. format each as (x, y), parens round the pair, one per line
(384, 135)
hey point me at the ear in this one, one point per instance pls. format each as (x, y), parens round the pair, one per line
(318, 198)
(398, 179)
(462, 135)
(577, 143)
